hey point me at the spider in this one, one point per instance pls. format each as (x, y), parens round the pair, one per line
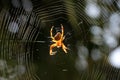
(58, 40)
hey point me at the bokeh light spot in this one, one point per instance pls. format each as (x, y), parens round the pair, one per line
(114, 58)
(92, 10)
(13, 27)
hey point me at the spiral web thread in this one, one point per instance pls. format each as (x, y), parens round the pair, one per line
(15, 46)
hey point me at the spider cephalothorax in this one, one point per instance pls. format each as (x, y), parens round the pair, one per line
(58, 40)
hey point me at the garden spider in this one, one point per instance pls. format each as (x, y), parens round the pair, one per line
(58, 41)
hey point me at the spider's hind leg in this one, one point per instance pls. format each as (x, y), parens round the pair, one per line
(51, 47)
(64, 48)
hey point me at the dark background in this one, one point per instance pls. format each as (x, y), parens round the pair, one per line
(24, 50)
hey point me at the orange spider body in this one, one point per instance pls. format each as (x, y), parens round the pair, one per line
(58, 41)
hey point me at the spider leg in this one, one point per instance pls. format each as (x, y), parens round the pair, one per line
(51, 35)
(64, 48)
(51, 47)
(63, 38)
(62, 30)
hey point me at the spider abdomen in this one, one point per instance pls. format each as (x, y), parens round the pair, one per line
(58, 36)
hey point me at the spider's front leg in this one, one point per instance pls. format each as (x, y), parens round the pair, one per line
(51, 35)
(63, 37)
(62, 30)
(51, 47)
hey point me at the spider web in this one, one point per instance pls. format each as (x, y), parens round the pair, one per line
(25, 39)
